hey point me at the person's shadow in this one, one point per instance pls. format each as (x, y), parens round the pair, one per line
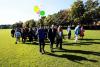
(84, 42)
(79, 51)
(73, 58)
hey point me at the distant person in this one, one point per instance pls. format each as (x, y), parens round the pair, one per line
(23, 34)
(46, 31)
(17, 35)
(77, 32)
(35, 33)
(51, 36)
(59, 37)
(82, 32)
(30, 33)
(69, 32)
(41, 37)
(12, 32)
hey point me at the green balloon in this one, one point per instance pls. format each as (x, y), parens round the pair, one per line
(42, 13)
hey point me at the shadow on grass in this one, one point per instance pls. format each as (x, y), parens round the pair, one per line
(84, 42)
(34, 43)
(73, 58)
(79, 51)
(87, 42)
(81, 43)
(89, 39)
(65, 43)
(29, 43)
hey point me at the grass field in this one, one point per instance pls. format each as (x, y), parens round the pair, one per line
(86, 53)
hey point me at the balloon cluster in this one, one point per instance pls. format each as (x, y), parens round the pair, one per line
(38, 11)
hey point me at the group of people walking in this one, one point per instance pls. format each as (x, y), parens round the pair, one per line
(78, 31)
(54, 34)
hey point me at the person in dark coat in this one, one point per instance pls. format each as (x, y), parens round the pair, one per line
(35, 33)
(41, 37)
(12, 32)
(46, 31)
(30, 35)
(51, 36)
(24, 35)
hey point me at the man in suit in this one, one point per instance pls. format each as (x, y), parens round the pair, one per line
(51, 36)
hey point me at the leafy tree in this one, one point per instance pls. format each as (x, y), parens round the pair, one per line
(41, 21)
(91, 11)
(29, 23)
(77, 11)
(18, 24)
(49, 20)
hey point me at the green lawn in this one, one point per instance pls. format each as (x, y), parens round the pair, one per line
(84, 54)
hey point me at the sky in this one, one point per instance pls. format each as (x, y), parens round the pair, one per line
(12, 11)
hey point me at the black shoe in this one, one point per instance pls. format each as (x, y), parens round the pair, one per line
(15, 42)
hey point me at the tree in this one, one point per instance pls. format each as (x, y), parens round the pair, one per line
(18, 24)
(48, 20)
(62, 17)
(41, 21)
(91, 11)
(77, 11)
(29, 23)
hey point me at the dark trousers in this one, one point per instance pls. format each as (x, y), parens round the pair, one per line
(12, 34)
(69, 35)
(31, 39)
(42, 45)
(51, 44)
(59, 42)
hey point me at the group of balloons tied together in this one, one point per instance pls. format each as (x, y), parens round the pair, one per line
(38, 11)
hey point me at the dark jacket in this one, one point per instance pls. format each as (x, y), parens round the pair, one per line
(52, 34)
(41, 34)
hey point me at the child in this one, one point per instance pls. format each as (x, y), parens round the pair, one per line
(81, 32)
(30, 35)
(17, 35)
